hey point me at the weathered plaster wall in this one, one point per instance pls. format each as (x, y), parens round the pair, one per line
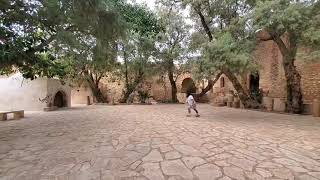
(55, 85)
(18, 93)
(79, 95)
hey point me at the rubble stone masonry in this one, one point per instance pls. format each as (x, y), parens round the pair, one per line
(272, 77)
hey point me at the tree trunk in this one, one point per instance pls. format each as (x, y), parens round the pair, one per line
(96, 91)
(94, 86)
(173, 83)
(173, 89)
(98, 95)
(126, 67)
(245, 98)
(210, 85)
(294, 102)
(131, 87)
(130, 97)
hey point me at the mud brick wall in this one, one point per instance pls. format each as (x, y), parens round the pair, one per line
(272, 77)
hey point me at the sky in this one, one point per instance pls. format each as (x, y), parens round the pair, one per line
(152, 3)
(149, 3)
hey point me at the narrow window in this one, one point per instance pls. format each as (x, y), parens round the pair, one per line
(222, 82)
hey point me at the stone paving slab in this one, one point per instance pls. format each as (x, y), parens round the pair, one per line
(159, 142)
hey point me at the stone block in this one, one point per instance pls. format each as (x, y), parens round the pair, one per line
(3, 116)
(242, 105)
(229, 104)
(88, 101)
(307, 108)
(279, 104)
(236, 104)
(230, 98)
(316, 108)
(18, 115)
(52, 108)
(268, 103)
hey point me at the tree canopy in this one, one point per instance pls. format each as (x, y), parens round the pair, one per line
(29, 29)
(289, 25)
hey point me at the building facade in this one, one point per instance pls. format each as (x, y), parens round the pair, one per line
(37, 95)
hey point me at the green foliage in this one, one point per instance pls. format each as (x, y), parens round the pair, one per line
(311, 36)
(300, 20)
(226, 52)
(229, 39)
(172, 42)
(31, 28)
(137, 48)
(140, 20)
(282, 16)
(46, 66)
(143, 96)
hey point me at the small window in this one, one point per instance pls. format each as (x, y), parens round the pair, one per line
(222, 82)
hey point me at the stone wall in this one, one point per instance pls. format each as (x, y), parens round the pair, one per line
(55, 85)
(271, 74)
(79, 95)
(272, 77)
(18, 93)
(159, 89)
(112, 89)
(310, 73)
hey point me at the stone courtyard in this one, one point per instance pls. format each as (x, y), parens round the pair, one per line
(159, 142)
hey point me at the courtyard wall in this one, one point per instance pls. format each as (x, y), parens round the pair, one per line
(18, 93)
(272, 77)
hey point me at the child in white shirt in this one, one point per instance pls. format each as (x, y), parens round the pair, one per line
(191, 104)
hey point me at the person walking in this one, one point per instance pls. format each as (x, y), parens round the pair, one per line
(191, 105)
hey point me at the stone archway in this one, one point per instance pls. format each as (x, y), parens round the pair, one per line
(254, 82)
(254, 86)
(188, 86)
(60, 99)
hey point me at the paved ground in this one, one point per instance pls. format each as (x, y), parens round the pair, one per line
(159, 142)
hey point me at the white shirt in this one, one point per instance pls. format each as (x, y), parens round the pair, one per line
(190, 100)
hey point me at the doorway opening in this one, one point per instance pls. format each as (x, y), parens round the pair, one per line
(60, 100)
(254, 86)
(188, 86)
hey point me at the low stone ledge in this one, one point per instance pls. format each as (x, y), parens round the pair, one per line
(53, 108)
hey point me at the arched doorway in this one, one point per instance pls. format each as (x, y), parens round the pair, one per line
(60, 100)
(188, 86)
(254, 86)
(254, 82)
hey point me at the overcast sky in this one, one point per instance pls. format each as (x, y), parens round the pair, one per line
(152, 3)
(149, 3)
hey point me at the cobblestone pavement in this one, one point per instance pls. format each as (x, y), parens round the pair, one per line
(159, 142)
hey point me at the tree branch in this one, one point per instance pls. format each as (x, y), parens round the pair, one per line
(277, 39)
(204, 23)
(210, 84)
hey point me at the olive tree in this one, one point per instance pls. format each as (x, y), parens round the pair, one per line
(290, 24)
